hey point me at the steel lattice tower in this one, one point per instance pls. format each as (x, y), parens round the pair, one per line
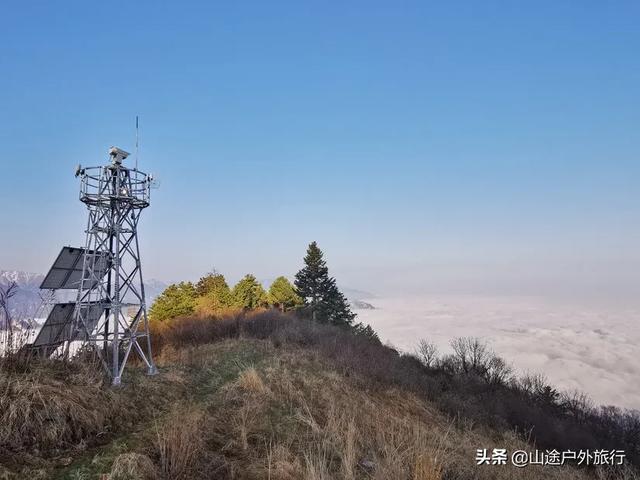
(111, 280)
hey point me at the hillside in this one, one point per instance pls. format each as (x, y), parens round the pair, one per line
(248, 397)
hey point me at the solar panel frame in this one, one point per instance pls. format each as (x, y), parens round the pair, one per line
(59, 326)
(66, 271)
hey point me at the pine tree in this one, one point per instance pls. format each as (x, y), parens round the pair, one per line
(249, 294)
(311, 279)
(319, 291)
(213, 294)
(176, 301)
(334, 307)
(366, 331)
(283, 295)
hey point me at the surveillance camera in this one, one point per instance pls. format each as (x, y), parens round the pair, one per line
(117, 155)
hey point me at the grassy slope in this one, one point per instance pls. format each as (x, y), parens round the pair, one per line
(243, 409)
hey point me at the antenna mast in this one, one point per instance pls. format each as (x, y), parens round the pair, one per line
(137, 136)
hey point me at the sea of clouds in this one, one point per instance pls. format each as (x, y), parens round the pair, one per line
(595, 350)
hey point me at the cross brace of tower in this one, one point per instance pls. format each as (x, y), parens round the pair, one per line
(109, 315)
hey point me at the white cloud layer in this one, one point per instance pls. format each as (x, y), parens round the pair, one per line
(592, 349)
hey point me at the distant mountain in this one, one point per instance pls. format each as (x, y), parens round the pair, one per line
(21, 278)
(360, 305)
(27, 301)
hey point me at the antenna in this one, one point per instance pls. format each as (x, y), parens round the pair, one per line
(137, 136)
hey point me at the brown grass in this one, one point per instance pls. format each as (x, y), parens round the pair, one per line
(309, 422)
(53, 405)
(133, 466)
(178, 443)
(494, 400)
(52, 411)
(250, 382)
(249, 409)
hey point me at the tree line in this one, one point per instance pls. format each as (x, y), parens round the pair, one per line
(314, 294)
(211, 295)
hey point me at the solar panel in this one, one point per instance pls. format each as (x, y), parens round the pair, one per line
(66, 271)
(59, 324)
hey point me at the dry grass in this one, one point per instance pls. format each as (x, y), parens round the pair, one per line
(249, 395)
(294, 418)
(51, 412)
(472, 396)
(249, 381)
(53, 405)
(281, 463)
(178, 443)
(251, 410)
(133, 466)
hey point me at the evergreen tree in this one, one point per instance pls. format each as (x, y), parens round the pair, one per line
(366, 331)
(283, 295)
(249, 294)
(310, 281)
(176, 301)
(319, 291)
(334, 307)
(213, 294)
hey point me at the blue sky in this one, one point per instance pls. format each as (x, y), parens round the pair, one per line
(424, 145)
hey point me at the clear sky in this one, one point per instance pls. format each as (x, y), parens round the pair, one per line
(425, 145)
